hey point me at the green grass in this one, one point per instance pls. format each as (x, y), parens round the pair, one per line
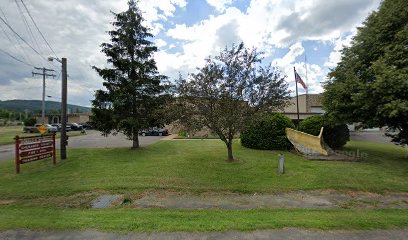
(148, 220)
(197, 137)
(195, 166)
(207, 136)
(200, 166)
(8, 133)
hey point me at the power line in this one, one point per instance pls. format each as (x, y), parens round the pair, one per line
(23, 39)
(21, 50)
(8, 37)
(27, 26)
(42, 35)
(15, 58)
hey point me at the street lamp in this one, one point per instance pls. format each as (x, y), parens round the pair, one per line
(63, 148)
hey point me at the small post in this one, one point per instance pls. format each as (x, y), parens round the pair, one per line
(281, 164)
(17, 138)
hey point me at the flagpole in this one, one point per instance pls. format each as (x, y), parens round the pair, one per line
(307, 97)
(297, 99)
(306, 74)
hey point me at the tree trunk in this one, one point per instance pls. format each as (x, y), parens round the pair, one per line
(135, 141)
(230, 157)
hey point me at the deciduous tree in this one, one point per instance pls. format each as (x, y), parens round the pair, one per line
(370, 83)
(226, 93)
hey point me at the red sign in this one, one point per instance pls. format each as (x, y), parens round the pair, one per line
(36, 145)
(35, 139)
(35, 152)
(35, 158)
(30, 149)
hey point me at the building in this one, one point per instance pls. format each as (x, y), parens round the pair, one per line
(71, 118)
(309, 105)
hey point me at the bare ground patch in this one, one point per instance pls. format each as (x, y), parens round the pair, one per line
(321, 199)
(288, 233)
(297, 199)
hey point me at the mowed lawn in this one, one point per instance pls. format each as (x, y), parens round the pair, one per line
(199, 165)
(32, 199)
(8, 133)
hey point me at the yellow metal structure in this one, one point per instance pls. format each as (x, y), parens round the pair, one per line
(307, 143)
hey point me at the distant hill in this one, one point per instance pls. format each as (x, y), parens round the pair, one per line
(34, 106)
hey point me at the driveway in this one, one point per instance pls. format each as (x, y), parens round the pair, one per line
(370, 136)
(92, 139)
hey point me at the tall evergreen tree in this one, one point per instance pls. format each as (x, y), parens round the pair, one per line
(370, 83)
(134, 88)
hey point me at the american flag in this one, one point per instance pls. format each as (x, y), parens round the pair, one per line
(298, 79)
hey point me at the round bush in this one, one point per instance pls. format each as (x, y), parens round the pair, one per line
(30, 121)
(335, 135)
(267, 131)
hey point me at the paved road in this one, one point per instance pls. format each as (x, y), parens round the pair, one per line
(259, 234)
(370, 136)
(92, 139)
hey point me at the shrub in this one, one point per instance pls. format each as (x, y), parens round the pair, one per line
(267, 131)
(30, 121)
(335, 135)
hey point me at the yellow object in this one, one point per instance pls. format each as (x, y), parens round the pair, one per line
(307, 143)
(42, 129)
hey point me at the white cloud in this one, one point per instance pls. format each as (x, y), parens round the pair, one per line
(160, 43)
(294, 51)
(267, 25)
(312, 76)
(198, 46)
(75, 29)
(220, 5)
(339, 44)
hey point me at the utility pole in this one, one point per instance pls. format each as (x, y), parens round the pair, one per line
(64, 87)
(44, 74)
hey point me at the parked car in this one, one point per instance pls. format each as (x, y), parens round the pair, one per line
(86, 125)
(50, 128)
(59, 127)
(34, 129)
(75, 126)
(154, 132)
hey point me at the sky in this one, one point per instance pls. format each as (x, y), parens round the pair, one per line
(308, 35)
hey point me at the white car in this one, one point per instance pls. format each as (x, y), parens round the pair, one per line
(50, 128)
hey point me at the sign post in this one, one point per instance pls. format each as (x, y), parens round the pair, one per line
(17, 155)
(30, 149)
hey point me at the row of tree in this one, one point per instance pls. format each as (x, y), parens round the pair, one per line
(232, 87)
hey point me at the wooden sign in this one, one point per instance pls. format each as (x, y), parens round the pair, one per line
(30, 149)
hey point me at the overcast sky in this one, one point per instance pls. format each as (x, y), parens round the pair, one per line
(186, 32)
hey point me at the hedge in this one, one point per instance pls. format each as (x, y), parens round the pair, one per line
(335, 135)
(267, 131)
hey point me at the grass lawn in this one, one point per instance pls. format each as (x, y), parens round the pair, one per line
(197, 137)
(8, 133)
(167, 220)
(197, 166)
